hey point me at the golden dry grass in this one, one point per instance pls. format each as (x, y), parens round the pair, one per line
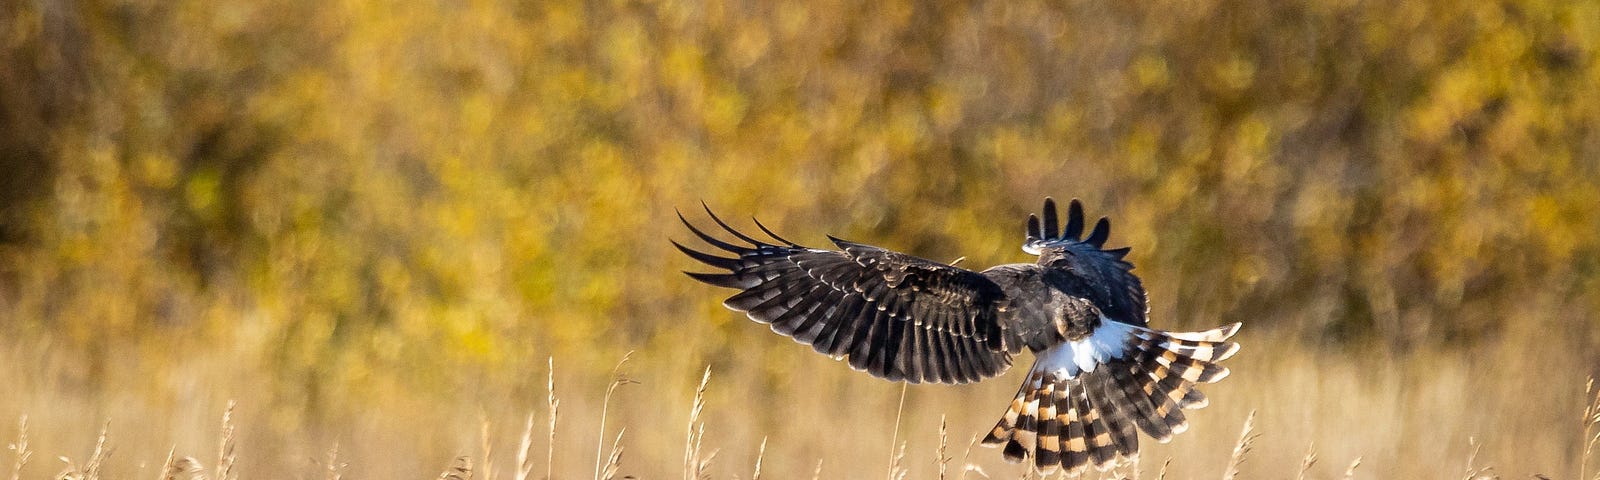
(1336, 423)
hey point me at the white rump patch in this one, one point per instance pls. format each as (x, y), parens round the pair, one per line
(1106, 342)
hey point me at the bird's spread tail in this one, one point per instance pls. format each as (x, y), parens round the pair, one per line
(1084, 405)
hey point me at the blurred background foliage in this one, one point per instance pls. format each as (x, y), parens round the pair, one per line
(322, 206)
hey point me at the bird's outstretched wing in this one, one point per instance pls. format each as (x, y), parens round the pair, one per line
(893, 315)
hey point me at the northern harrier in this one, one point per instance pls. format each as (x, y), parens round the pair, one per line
(1099, 373)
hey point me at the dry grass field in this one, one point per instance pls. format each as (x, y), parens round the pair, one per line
(1432, 419)
(390, 233)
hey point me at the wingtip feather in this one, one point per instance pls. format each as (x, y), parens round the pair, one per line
(1102, 231)
(1051, 220)
(706, 258)
(774, 236)
(713, 241)
(721, 279)
(1074, 220)
(731, 230)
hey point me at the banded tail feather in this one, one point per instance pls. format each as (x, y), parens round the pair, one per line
(1085, 401)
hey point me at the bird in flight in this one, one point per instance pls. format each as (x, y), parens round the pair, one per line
(1100, 373)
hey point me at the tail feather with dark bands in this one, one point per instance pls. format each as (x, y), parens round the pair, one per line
(1072, 416)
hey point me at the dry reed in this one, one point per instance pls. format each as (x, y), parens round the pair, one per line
(940, 458)
(897, 472)
(554, 405)
(1307, 461)
(525, 464)
(761, 453)
(1591, 418)
(461, 469)
(613, 461)
(1247, 436)
(897, 450)
(487, 448)
(167, 470)
(1474, 472)
(90, 469)
(226, 446)
(186, 468)
(617, 380)
(694, 465)
(21, 448)
(966, 460)
(1350, 472)
(333, 469)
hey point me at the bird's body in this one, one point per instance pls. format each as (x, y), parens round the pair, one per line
(1099, 375)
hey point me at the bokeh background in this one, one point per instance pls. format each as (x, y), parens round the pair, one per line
(372, 223)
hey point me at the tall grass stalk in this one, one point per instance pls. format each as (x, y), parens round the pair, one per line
(761, 453)
(226, 446)
(460, 469)
(90, 469)
(334, 469)
(896, 450)
(1307, 461)
(614, 459)
(487, 449)
(1591, 417)
(524, 463)
(1247, 436)
(167, 470)
(1350, 472)
(966, 461)
(617, 380)
(21, 448)
(693, 463)
(939, 457)
(554, 405)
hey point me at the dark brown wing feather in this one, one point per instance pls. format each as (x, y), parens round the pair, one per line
(893, 315)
